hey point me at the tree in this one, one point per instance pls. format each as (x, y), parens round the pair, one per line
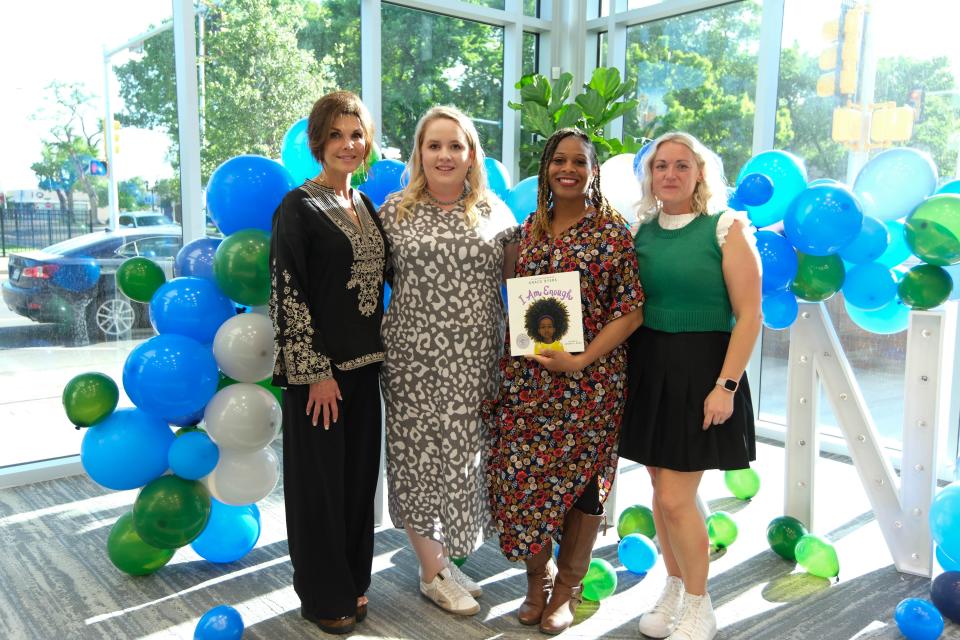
(258, 81)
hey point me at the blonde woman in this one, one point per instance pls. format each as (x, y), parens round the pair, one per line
(688, 404)
(443, 334)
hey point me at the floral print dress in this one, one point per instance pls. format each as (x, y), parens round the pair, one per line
(554, 432)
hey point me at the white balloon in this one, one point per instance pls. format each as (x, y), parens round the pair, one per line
(243, 477)
(243, 347)
(243, 416)
(620, 185)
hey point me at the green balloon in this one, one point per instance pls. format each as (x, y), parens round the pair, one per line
(783, 533)
(817, 556)
(89, 398)
(139, 278)
(932, 230)
(925, 286)
(600, 581)
(743, 483)
(266, 383)
(129, 553)
(182, 430)
(170, 512)
(458, 560)
(721, 529)
(636, 519)
(818, 277)
(241, 267)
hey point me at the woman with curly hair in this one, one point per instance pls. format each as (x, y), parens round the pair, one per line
(556, 419)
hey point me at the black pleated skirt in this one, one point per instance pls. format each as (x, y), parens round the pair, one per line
(669, 377)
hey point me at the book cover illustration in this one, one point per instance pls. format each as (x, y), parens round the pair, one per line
(545, 313)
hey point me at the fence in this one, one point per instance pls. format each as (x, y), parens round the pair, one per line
(23, 227)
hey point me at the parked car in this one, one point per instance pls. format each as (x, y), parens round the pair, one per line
(52, 284)
(143, 219)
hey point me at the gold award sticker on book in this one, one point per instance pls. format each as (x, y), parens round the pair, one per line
(545, 313)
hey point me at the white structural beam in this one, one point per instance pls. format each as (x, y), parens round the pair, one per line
(188, 119)
(370, 62)
(901, 506)
(512, 70)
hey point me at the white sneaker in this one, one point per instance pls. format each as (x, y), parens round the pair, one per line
(464, 580)
(697, 621)
(448, 595)
(661, 620)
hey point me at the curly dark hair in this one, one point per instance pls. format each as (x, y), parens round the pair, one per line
(546, 307)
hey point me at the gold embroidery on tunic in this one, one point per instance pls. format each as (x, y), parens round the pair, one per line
(362, 361)
(296, 357)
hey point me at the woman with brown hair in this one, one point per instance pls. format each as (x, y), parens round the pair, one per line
(327, 259)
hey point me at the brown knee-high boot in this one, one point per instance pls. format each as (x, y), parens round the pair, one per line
(540, 574)
(579, 534)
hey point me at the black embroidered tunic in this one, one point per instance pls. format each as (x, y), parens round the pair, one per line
(326, 298)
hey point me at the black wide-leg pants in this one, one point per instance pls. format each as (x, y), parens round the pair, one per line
(329, 484)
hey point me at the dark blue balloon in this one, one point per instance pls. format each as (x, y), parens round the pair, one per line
(170, 376)
(230, 534)
(387, 294)
(779, 309)
(733, 202)
(822, 220)
(383, 178)
(637, 553)
(76, 274)
(196, 258)
(188, 420)
(127, 450)
(498, 178)
(193, 455)
(192, 307)
(778, 259)
(945, 593)
(220, 623)
(244, 191)
(522, 198)
(755, 189)
(918, 619)
(869, 286)
(870, 243)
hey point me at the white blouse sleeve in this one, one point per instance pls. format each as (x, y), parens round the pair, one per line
(726, 221)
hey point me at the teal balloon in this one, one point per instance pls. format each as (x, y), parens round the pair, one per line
(600, 581)
(869, 286)
(522, 198)
(295, 153)
(818, 556)
(637, 553)
(888, 319)
(818, 277)
(932, 230)
(895, 181)
(780, 309)
(721, 529)
(945, 519)
(742, 483)
(498, 178)
(925, 286)
(870, 243)
(789, 178)
(949, 187)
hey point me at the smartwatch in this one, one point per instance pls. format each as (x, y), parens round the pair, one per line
(728, 383)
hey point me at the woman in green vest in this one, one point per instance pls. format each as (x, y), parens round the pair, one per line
(688, 404)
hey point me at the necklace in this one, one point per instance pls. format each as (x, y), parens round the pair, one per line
(443, 203)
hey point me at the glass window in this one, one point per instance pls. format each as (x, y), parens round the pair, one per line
(430, 59)
(602, 41)
(331, 31)
(531, 8)
(531, 52)
(493, 4)
(698, 73)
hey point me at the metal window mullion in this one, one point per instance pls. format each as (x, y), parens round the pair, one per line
(371, 62)
(512, 70)
(188, 119)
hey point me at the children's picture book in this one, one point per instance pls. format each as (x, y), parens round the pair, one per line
(545, 313)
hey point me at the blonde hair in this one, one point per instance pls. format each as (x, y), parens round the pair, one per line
(540, 224)
(710, 194)
(476, 183)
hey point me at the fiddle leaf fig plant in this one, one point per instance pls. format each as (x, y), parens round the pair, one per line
(545, 107)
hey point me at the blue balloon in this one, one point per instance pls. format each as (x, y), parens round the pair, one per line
(188, 420)
(869, 286)
(637, 553)
(954, 271)
(948, 563)
(945, 593)
(779, 261)
(193, 455)
(918, 619)
(192, 307)
(789, 177)
(76, 274)
(897, 250)
(196, 258)
(230, 534)
(387, 295)
(244, 191)
(949, 187)
(498, 178)
(383, 178)
(822, 220)
(638, 161)
(170, 376)
(890, 318)
(295, 153)
(896, 181)
(870, 243)
(220, 623)
(755, 189)
(779, 309)
(127, 450)
(522, 198)
(945, 519)
(819, 181)
(733, 202)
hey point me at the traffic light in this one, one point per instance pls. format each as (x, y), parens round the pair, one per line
(915, 100)
(113, 135)
(97, 168)
(841, 60)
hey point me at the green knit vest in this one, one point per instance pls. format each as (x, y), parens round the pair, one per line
(682, 277)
